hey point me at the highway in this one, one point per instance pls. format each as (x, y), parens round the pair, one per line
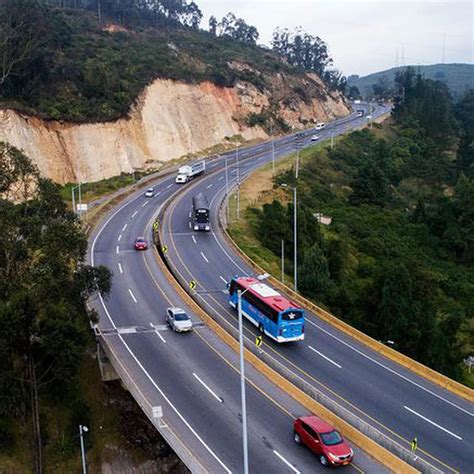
(394, 400)
(193, 377)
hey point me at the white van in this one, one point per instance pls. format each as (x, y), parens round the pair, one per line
(320, 126)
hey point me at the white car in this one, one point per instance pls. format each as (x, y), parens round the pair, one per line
(178, 319)
(149, 193)
(314, 138)
(320, 126)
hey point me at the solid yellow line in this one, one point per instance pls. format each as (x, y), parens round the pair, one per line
(192, 277)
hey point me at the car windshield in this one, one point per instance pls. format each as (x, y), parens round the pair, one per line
(140, 240)
(150, 191)
(181, 317)
(331, 438)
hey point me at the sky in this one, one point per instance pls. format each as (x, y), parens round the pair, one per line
(365, 36)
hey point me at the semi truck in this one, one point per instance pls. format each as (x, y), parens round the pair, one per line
(188, 172)
(201, 213)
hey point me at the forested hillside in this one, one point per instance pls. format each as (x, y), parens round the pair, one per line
(398, 259)
(458, 77)
(88, 60)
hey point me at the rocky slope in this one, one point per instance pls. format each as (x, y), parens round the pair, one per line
(170, 120)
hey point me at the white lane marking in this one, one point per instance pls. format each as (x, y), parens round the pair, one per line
(158, 193)
(160, 336)
(391, 370)
(194, 238)
(210, 186)
(169, 186)
(119, 237)
(189, 225)
(190, 214)
(221, 178)
(433, 423)
(325, 357)
(133, 296)
(135, 213)
(150, 378)
(204, 257)
(223, 279)
(286, 462)
(145, 203)
(120, 267)
(117, 249)
(208, 389)
(124, 227)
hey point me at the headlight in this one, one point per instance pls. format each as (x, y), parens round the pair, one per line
(196, 227)
(207, 227)
(333, 456)
(352, 452)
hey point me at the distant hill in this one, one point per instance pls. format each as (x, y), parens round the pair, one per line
(458, 77)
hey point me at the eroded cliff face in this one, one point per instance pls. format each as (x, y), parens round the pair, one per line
(170, 120)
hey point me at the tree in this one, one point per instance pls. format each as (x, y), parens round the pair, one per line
(237, 29)
(353, 93)
(370, 186)
(313, 274)
(213, 25)
(44, 287)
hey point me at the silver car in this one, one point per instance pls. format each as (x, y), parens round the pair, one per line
(178, 319)
(149, 193)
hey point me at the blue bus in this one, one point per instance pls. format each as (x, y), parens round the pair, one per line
(273, 314)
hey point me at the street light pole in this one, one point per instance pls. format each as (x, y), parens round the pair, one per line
(227, 188)
(295, 277)
(242, 385)
(295, 236)
(82, 430)
(238, 181)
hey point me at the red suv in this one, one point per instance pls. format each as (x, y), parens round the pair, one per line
(322, 439)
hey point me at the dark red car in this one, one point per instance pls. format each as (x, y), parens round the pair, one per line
(323, 440)
(140, 243)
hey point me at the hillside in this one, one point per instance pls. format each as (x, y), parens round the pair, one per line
(458, 77)
(100, 99)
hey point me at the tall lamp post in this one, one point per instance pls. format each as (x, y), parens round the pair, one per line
(242, 374)
(83, 429)
(295, 237)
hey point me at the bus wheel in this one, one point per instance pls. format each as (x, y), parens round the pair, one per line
(260, 328)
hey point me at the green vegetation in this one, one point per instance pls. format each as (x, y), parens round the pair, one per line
(44, 287)
(397, 260)
(458, 77)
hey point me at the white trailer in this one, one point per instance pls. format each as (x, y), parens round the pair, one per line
(188, 172)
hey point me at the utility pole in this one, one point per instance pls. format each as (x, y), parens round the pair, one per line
(83, 429)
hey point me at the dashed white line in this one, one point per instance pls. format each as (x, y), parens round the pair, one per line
(324, 357)
(160, 336)
(210, 186)
(120, 267)
(221, 178)
(389, 369)
(119, 237)
(135, 213)
(124, 227)
(204, 257)
(286, 462)
(223, 279)
(194, 238)
(219, 399)
(190, 214)
(145, 203)
(189, 225)
(169, 186)
(117, 249)
(433, 423)
(158, 193)
(132, 295)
